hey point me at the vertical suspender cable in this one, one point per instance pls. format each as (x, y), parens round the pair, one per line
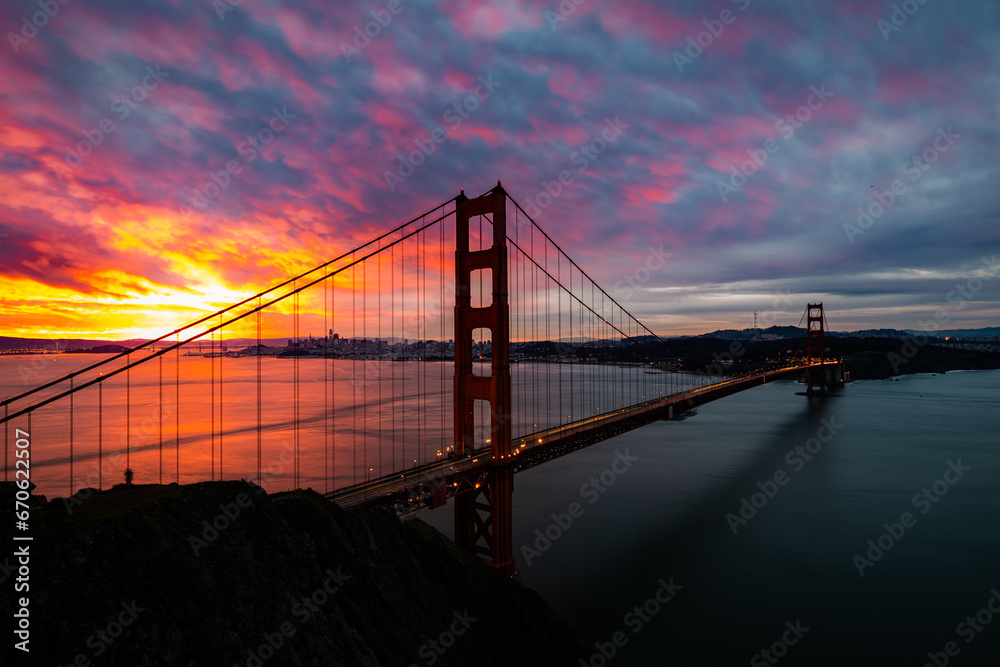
(354, 369)
(392, 336)
(403, 351)
(326, 385)
(441, 364)
(333, 384)
(421, 315)
(100, 435)
(222, 354)
(378, 356)
(295, 388)
(259, 481)
(177, 410)
(364, 364)
(71, 437)
(211, 364)
(160, 420)
(128, 413)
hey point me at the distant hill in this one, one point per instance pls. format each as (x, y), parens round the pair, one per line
(874, 333)
(54, 344)
(778, 332)
(98, 349)
(755, 334)
(963, 333)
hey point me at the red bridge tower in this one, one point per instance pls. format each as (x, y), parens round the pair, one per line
(816, 349)
(483, 515)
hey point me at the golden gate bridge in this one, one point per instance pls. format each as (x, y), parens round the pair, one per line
(475, 351)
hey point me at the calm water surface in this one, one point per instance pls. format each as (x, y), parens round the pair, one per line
(793, 562)
(660, 505)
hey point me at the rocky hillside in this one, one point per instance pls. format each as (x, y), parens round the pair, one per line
(223, 574)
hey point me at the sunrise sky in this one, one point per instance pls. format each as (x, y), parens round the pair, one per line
(118, 122)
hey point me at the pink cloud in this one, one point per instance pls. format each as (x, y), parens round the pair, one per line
(492, 18)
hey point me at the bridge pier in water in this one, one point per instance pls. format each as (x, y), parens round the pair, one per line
(483, 512)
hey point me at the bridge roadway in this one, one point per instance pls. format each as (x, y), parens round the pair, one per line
(413, 488)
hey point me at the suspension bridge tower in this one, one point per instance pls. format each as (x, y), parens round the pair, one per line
(483, 513)
(816, 349)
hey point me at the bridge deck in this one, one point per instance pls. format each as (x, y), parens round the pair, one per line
(537, 448)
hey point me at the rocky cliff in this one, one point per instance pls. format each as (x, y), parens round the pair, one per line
(223, 574)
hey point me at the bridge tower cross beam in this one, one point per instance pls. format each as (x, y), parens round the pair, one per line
(816, 349)
(483, 515)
